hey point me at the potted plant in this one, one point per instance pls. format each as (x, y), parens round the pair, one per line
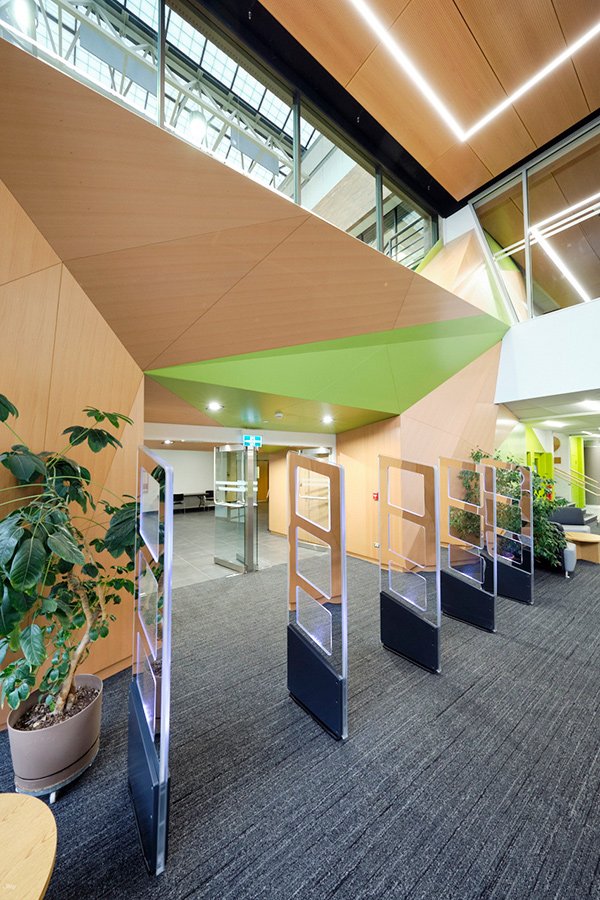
(56, 590)
(549, 541)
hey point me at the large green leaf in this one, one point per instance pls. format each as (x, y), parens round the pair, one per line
(3, 649)
(20, 465)
(7, 409)
(32, 645)
(10, 533)
(20, 601)
(120, 536)
(64, 546)
(14, 638)
(27, 565)
(9, 616)
(37, 462)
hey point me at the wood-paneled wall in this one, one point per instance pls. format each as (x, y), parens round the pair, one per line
(58, 355)
(452, 420)
(457, 417)
(278, 493)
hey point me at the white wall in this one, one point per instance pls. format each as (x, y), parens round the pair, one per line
(193, 470)
(458, 224)
(553, 354)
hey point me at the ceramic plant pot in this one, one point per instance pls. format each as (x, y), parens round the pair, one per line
(50, 758)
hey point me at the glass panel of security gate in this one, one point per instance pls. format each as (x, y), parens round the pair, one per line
(317, 617)
(409, 569)
(149, 691)
(514, 528)
(468, 541)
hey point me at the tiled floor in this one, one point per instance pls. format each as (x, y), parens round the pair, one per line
(194, 547)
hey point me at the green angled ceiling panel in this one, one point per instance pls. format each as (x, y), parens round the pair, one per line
(382, 373)
(422, 366)
(255, 410)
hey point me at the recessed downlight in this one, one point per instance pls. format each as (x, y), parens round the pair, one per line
(167, 442)
(214, 406)
(327, 420)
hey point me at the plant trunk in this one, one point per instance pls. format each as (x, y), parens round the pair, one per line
(68, 690)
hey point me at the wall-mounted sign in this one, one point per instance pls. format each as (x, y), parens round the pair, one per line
(252, 440)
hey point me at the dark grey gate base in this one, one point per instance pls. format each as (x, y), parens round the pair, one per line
(408, 634)
(513, 582)
(142, 768)
(467, 602)
(314, 683)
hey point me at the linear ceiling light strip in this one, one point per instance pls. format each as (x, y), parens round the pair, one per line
(560, 265)
(550, 230)
(399, 55)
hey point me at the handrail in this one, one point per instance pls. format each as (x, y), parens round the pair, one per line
(578, 474)
(579, 480)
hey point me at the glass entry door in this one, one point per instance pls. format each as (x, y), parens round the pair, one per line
(236, 524)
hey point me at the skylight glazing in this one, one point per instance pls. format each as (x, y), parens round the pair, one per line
(210, 100)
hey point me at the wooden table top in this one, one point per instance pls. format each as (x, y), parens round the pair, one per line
(28, 842)
(582, 537)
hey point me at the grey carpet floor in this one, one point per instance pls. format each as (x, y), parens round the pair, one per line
(481, 782)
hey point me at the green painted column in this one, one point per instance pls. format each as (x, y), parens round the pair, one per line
(577, 470)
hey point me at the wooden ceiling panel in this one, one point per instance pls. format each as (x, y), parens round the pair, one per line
(497, 144)
(460, 170)
(66, 176)
(553, 106)
(518, 38)
(162, 405)
(588, 72)
(381, 87)
(344, 55)
(348, 289)
(575, 19)
(439, 42)
(151, 295)
(473, 55)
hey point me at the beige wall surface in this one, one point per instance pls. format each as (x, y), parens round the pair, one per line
(452, 420)
(457, 417)
(58, 355)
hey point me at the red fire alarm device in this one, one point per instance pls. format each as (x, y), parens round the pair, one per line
(375, 495)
